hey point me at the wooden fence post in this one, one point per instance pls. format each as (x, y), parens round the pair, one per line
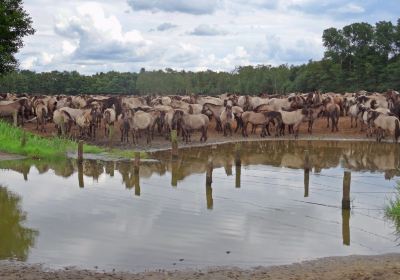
(15, 118)
(110, 135)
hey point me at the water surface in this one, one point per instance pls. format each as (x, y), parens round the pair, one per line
(276, 207)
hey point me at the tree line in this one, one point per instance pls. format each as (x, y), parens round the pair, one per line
(360, 56)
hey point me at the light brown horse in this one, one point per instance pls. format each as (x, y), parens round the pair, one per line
(41, 113)
(109, 118)
(295, 118)
(190, 123)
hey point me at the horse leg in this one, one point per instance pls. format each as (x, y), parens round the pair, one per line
(296, 130)
(337, 123)
(244, 128)
(327, 119)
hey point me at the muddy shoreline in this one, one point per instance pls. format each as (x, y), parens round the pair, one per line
(350, 267)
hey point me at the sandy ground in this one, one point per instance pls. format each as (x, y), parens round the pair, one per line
(320, 132)
(385, 267)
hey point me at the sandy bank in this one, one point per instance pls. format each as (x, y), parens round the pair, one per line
(352, 267)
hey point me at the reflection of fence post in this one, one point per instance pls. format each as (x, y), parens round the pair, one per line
(209, 172)
(80, 151)
(346, 226)
(80, 174)
(306, 173)
(174, 173)
(137, 184)
(174, 143)
(136, 163)
(238, 165)
(136, 176)
(346, 190)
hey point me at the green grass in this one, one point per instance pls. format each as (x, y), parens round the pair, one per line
(392, 211)
(34, 146)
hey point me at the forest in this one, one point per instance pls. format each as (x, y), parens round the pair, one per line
(360, 56)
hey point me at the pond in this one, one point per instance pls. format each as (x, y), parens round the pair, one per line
(258, 203)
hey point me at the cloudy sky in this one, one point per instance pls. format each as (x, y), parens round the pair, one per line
(125, 35)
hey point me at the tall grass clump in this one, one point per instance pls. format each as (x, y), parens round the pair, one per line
(392, 211)
(15, 140)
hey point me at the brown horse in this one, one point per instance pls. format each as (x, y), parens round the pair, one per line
(227, 119)
(14, 109)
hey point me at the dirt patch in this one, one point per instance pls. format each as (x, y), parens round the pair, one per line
(320, 132)
(352, 267)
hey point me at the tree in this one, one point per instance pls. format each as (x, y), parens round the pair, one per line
(15, 23)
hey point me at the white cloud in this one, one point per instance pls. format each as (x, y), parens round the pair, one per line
(207, 30)
(182, 6)
(100, 37)
(166, 26)
(93, 36)
(350, 8)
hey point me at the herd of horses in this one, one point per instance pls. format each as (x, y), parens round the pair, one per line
(377, 113)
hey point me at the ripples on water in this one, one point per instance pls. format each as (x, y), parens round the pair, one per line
(274, 208)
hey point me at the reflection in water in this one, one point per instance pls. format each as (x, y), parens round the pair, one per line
(346, 190)
(174, 172)
(346, 226)
(209, 172)
(238, 166)
(277, 202)
(80, 174)
(15, 239)
(306, 173)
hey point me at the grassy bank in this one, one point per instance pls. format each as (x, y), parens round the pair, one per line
(392, 211)
(15, 140)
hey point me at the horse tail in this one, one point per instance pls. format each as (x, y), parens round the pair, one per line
(397, 130)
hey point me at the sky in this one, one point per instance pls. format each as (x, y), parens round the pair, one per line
(126, 35)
